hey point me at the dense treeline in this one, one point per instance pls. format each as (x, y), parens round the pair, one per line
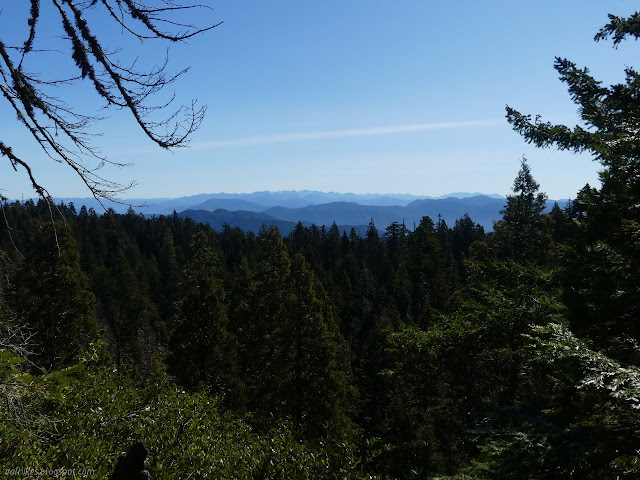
(412, 347)
(409, 349)
(430, 351)
(292, 328)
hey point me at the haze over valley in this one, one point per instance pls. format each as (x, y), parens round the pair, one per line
(284, 209)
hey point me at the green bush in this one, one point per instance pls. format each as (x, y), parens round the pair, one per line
(85, 417)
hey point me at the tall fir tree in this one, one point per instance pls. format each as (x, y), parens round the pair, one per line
(312, 380)
(52, 294)
(589, 426)
(605, 261)
(524, 232)
(267, 310)
(203, 351)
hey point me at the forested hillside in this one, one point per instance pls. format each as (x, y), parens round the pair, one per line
(438, 351)
(273, 330)
(432, 351)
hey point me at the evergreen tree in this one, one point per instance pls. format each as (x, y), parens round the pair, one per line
(523, 233)
(203, 351)
(561, 223)
(169, 271)
(463, 234)
(581, 433)
(426, 270)
(53, 296)
(606, 263)
(268, 305)
(332, 250)
(311, 380)
(124, 303)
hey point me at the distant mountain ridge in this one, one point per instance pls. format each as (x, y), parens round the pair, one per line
(253, 221)
(257, 201)
(482, 209)
(245, 220)
(231, 204)
(249, 211)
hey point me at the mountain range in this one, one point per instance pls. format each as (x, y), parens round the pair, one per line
(252, 221)
(256, 201)
(249, 211)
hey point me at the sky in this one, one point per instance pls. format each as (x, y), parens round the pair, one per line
(346, 96)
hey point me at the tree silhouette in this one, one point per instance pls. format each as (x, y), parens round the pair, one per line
(61, 129)
(523, 234)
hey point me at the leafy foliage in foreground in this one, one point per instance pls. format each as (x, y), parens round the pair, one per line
(83, 416)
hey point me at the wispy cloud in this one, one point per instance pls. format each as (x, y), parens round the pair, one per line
(333, 134)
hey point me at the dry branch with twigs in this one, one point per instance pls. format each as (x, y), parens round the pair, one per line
(58, 127)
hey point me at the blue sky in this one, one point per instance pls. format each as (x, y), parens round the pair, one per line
(350, 96)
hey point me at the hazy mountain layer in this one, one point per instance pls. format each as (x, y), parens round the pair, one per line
(482, 209)
(252, 221)
(318, 208)
(255, 202)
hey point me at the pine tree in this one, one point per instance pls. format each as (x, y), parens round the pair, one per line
(53, 296)
(605, 264)
(267, 310)
(311, 379)
(523, 233)
(203, 351)
(169, 271)
(561, 223)
(427, 273)
(592, 363)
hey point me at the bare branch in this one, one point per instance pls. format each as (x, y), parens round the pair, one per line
(62, 132)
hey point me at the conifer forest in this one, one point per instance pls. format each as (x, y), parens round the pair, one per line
(411, 352)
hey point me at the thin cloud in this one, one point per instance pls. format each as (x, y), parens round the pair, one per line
(334, 134)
